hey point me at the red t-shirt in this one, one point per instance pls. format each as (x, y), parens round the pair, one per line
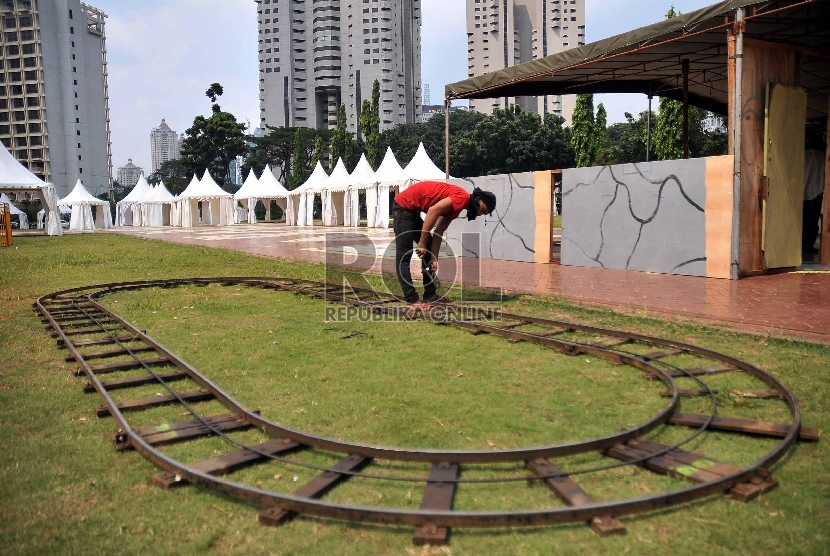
(424, 194)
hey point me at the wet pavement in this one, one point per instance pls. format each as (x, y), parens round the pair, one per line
(792, 304)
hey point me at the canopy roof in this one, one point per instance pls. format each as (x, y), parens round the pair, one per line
(158, 195)
(339, 178)
(80, 196)
(314, 182)
(204, 189)
(390, 172)
(649, 59)
(422, 168)
(15, 175)
(138, 193)
(363, 173)
(249, 187)
(269, 186)
(4, 200)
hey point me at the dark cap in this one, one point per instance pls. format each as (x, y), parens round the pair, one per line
(486, 196)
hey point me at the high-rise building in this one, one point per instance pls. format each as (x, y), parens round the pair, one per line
(164, 145)
(315, 55)
(504, 33)
(129, 174)
(54, 101)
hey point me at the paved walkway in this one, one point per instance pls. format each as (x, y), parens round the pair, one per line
(794, 304)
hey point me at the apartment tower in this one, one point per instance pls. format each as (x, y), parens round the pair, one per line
(317, 54)
(164, 145)
(129, 174)
(54, 104)
(504, 33)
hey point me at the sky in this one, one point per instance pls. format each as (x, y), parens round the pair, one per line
(163, 54)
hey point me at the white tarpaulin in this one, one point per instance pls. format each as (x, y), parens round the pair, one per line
(301, 200)
(216, 204)
(263, 189)
(15, 178)
(389, 176)
(21, 216)
(41, 215)
(362, 177)
(334, 191)
(127, 211)
(82, 202)
(421, 168)
(156, 206)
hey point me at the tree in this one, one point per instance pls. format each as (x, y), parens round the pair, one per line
(174, 174)
(298, 161)
(317, 155)
(343, 144)
(668, 136)
(212, 143)
(371, 134)
(582, 129)
(600, 132)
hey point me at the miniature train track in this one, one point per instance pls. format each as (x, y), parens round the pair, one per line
(102, 344)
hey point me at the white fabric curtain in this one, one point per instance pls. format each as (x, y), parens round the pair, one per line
(371, 205)
(309, 209)
(302, 213)
(49, 199)
(103, 217)
(81, 218)
(292, 209)
(176, 213)
(382, 215)
(354, 204)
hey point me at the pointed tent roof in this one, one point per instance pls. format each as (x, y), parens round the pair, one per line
(249, 187)
(14, 174)
(4, 200)
(80, 196)
(390, 172)
(422, 168)
(363, 173)
(317, 178)
(269, 186)
(159, 195)
(204, 189)
(339, 178)
(137, 194)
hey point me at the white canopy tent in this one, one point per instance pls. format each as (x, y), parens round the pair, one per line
(82, 202)
(14, 178)
(156, 206)
(217, 204)
(300, 207)
(421, 168)
(363, 177)
(266, 188)
(22, 218)
(41, 215)
(334, 192)
(389, 176)
(127, 210)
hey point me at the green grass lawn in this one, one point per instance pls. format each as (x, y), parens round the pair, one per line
(64, 489)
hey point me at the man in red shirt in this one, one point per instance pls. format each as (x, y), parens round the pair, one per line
(442, 203)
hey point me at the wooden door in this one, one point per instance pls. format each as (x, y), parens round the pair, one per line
(783, 192)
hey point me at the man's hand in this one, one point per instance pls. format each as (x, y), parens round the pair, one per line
(433, 265)
(421, 251)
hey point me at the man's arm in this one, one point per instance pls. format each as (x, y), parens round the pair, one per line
(435, 212)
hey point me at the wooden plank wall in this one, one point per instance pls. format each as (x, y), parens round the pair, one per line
(762, 63)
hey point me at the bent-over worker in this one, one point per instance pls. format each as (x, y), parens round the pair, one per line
(442, 203)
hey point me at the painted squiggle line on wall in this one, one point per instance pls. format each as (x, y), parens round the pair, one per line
(643, 221)
(501, 216)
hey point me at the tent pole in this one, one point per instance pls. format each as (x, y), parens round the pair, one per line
(685, 63)
(447, 138)
(648, 126)
(736, 117)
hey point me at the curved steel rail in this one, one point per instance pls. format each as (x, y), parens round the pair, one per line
(450, 518)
